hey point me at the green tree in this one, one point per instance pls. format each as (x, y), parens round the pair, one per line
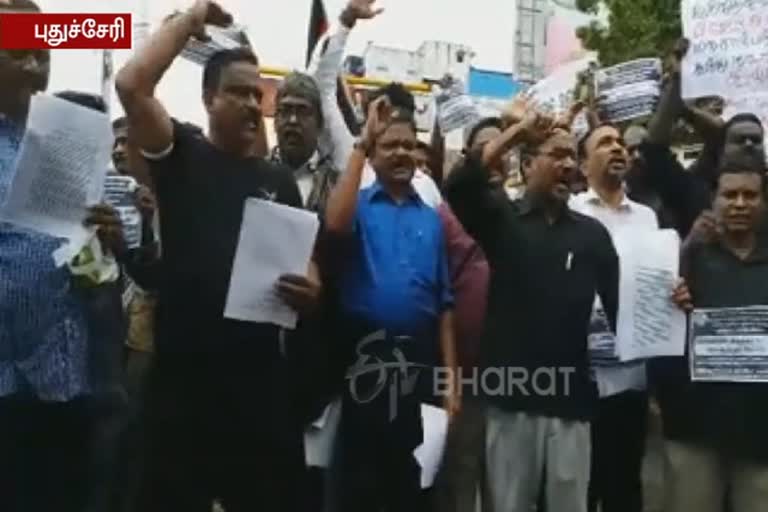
(635, 29)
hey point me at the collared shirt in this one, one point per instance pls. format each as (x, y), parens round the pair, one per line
(315, 179)
(731, 417)
(43, 324)
(545, 277)
(395, 271)
(628, 216)
(336, 139)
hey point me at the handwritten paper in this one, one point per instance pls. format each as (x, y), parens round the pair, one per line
(649, 323)
(729, 46)
(119, 193)
(62, 163)
(275, 239)
(429, 454)
(628, 90)
(729, 344)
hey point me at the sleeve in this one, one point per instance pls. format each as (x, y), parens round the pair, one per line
(164, 166)
(445, 298)
(467, 192)
(677, 188)
(607, 275)
(336, 139)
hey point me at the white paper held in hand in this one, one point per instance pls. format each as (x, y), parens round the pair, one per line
(649, 323)
(429, 454)
(60, 171)
(275, 239)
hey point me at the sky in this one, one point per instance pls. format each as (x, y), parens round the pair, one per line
(278, 30)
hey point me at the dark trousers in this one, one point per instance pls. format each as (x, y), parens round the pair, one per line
(222, 430)
(618, 445)
(374, 471)
(43, 455)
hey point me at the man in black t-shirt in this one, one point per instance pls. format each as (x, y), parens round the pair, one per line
(221, 409)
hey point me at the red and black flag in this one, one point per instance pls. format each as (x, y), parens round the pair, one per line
(318, 28)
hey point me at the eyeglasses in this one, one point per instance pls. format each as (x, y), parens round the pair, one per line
(301, 112)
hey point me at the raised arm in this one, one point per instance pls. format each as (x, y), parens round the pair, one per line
(337, 140)
(137, 80)
(342, 205)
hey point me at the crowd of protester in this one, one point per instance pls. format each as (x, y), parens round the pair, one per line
(137, 394)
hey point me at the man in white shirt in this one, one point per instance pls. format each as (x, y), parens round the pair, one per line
(336, 138)
(619, 429)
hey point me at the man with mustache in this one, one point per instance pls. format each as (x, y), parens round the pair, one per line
(547, 263)
(222, 414)
(715, 431)
(298, 122)
(619, 427)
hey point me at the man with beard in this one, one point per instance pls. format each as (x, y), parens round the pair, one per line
(222, 413)
(619, 426)
(547, 262)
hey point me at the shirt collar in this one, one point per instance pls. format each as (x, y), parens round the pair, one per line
(591, 197)
(378, 192)
(309, 167)
(526, 206)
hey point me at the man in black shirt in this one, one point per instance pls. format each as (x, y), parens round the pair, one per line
(221, 409)
(547, 263)
(715, 431)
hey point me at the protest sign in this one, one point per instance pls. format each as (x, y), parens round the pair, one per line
(555, 94)
(728, 50)
(628, 90)
(119, 193)
(729, 344)
(455, 110)
(220, 39)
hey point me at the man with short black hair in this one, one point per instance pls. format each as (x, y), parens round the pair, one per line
(715, 431)
(396, 298)
(619, 426)
(222, 414)
(547, 262)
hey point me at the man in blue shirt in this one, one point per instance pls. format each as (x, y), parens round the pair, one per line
(395, 303)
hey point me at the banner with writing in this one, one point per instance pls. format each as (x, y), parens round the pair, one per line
(555, 93)
(729, 344)
(456, 110)
(728, 55)
(628, 90)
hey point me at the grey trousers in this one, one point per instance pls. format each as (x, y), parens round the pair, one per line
(697, 479)
(461, 480)
(522, 451)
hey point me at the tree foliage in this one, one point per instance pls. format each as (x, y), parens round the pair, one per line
(636, 28)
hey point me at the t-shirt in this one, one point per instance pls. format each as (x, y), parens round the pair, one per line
(201, 192)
